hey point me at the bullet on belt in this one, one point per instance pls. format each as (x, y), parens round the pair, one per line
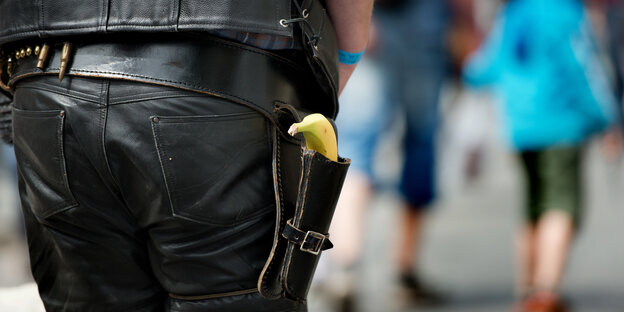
(43, 56)
(64, 60)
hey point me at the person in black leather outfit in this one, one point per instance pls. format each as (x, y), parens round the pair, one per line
(144, 139)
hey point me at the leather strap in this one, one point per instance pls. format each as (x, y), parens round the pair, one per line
(209, 65)
(309, 241)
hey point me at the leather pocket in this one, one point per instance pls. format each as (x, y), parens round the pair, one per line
(38, 140)
(217, 168)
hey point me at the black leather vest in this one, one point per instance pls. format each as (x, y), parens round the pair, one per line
(46, 18)
(29, 19)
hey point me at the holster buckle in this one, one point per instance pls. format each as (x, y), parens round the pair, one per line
(313, 242)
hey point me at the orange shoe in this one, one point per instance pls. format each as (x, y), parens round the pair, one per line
(543, 301)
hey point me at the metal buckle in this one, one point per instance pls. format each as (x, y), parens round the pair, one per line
(316, 248)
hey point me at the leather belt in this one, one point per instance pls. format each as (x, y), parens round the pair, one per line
(209, 65)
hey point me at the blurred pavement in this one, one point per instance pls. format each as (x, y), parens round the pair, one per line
(468, 249)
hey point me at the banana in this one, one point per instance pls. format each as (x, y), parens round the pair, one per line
(319, 135)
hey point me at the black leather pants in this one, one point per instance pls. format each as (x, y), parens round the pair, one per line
(140, 197)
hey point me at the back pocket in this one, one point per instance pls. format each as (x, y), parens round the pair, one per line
(217, 169)
(38, 140)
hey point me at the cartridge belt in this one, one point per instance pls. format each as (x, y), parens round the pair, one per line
(208, 65)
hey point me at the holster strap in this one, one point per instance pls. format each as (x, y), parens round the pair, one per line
(309, 241)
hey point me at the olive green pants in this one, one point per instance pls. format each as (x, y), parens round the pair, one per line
(553, 178)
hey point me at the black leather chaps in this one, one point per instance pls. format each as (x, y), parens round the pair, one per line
(144, 195)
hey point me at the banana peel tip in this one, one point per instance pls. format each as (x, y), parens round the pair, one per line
(294, 129)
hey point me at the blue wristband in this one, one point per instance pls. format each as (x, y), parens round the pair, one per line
(349, 58)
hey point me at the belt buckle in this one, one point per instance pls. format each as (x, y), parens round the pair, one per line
(315, 246)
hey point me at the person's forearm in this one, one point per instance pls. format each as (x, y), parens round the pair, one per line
(351, 19)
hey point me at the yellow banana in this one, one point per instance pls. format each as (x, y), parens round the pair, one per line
(319, 135)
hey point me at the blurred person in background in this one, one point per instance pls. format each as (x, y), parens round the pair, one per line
(541, 59)
(399, 82)
(607, 17)
(414, 65)
(614, 13)
(613, 10)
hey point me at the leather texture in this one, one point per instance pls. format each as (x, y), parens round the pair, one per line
(131, 192)
(141, 153)
(36, 23)
(322, 49)
(308, 186)
(319, 189)
(287, 168)
(53, 18)
(202, 64)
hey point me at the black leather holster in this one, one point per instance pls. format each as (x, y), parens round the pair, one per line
(308, 186)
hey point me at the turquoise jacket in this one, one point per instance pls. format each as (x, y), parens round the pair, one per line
(541, 61)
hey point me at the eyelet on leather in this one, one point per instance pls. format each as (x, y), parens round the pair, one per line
(283, 23)
(305, 13)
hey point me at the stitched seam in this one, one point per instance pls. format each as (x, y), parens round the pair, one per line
(214, 296)
(189, 27)
(156, 135)
(43, 29)
(41, 16)
(193, 87)
(104, 120)
(162, 80)
(173, 15)
(305, 183)
(72, 199)
(254, 26)
(152, 96)
(201, 220)
(277, 187)
(177, 21)
(73, 94)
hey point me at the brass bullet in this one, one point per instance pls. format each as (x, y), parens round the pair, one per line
(43, 56)
(37, 50)
(22, 53)
(17, 55)
(28, 51)
(64, 60)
